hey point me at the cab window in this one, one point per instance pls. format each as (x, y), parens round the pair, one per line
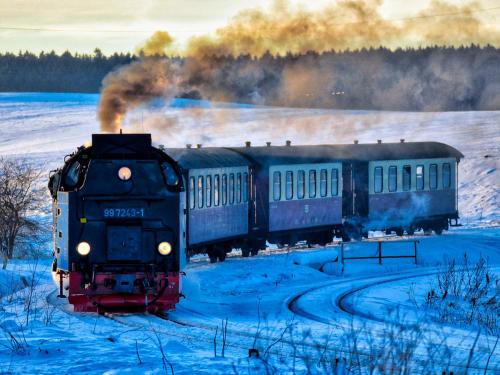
(323, 178)
(245, 187)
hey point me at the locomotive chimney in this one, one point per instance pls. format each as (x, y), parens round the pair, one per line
(268, 144)
(402, 140)
(356, 141)
(188, 145)
(198, 145)
(288, 143)
(248, 144)
(161, 147)
(379, 141)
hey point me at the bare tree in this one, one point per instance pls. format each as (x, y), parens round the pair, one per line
(21, 199)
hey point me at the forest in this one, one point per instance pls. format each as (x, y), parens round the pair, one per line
(424, 79)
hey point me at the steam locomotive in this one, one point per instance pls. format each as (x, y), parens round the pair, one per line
(127, 215)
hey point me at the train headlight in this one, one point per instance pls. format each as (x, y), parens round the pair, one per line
(164, 248)
(124, 173)
(83, 248)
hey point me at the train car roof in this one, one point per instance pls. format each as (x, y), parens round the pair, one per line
(209, 157)
(269, 155)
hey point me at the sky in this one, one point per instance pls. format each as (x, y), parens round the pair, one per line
(123, 25)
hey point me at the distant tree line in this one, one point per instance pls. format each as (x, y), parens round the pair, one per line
(50, 72)
(431, 78)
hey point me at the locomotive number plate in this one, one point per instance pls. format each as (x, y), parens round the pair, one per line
(123, 212)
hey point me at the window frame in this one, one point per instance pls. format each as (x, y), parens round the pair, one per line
(433, 182)
(312, 181)
(238, 187)
(301, 194)
(201, 191)
(392, 178)
(224, 189)
(422, 177)
(216, 190)
(208, 189)
(323, 183)
(231, 188)
(446, 181)
(245, 187)
(192, 192)
(376, 188)
(289, 185)
(406, 177)
(276, 186)
(335, 186)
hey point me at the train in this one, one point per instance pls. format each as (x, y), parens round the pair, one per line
(128, 215)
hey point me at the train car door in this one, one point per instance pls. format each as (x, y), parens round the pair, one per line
(347, 194)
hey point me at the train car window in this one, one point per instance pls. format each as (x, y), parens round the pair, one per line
(245, 187)
(170, 175)
(216, 190)
(446, 175)
(407, 178)
(393, 178)
(277, 186)
(238, 188)
(209, 191)
(201, 191)
(289, 185)
(312, 184)
(231, 188)
(433, 176)
(419, 178)
(301, 184)
(323, 179)
(224, 189)
(335, 182)
(378, 182)
(192, 192)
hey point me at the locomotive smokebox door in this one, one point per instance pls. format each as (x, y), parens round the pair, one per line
(124, 243)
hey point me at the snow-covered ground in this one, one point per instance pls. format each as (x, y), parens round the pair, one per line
(298, 317)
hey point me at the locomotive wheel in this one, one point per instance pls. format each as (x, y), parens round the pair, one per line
(245, 253)
(399, 232)
(438, 231)
(410, 231)
(254, 252)
(212, 255)
(221, 256)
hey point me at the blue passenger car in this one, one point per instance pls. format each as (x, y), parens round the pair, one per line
(217, 182)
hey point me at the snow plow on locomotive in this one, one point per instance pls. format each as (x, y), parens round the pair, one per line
(114, 247)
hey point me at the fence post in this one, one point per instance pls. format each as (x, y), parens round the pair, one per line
(379, 252)
(415, 247)
(340, 260)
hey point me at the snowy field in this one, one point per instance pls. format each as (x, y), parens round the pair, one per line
(296, 307)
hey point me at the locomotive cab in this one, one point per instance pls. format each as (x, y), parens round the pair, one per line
(119, 232)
